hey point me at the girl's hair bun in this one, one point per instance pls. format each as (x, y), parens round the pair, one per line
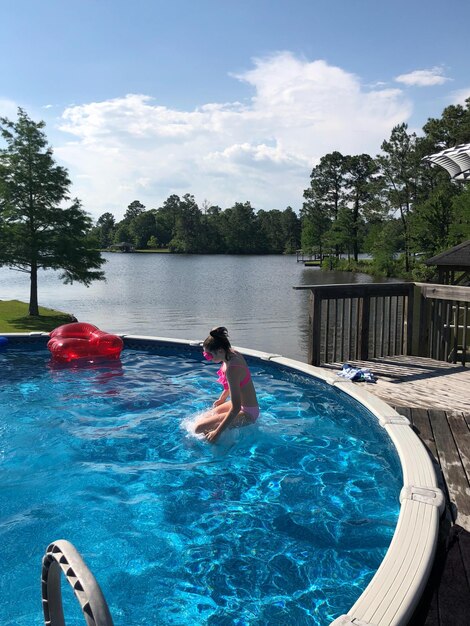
(219, 332)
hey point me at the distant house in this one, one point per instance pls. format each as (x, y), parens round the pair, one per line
(453, 265)
(122, 247)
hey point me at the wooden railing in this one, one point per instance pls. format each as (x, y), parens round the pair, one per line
(444, 322)
(364, 321)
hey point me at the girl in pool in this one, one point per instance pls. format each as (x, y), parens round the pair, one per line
(242, 408)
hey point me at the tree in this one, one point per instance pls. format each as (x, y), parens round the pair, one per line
(35, 231)
(401, 169)
(431, 220)
(315, 224)
(360, 172)
(290, 225)
(324, 197)
(384, 246)
(460, 228)
(239, 229)
(142, 227)
(166, 219)
(451, 129)
(134, 209)
(152, 243)
(187, 233)
(105, 229)
(272, 235)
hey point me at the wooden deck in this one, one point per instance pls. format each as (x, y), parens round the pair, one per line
(435, 397)
(446, 434)
(413, 381)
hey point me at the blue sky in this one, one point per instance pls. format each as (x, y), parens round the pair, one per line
(229, 101)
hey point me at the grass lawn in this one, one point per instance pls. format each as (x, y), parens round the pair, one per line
(14, 318)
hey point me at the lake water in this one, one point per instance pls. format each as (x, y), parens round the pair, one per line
(183, 296)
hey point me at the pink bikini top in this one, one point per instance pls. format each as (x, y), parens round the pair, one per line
(223, 378)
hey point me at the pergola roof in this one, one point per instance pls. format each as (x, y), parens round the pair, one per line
(455, 160)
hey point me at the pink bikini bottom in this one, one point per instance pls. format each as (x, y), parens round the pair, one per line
(252, 411)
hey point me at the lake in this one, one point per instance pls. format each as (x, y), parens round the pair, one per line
(183, 296)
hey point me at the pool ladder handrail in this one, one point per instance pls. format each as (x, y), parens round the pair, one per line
(62, 556)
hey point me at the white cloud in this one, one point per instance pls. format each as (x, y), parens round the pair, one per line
(263, 150)
(459, 97)
(424, 78)
(8, 108)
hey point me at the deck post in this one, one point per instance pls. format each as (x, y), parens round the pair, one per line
(363, 327)
(423, 330)
(315, 329)
(410, 302)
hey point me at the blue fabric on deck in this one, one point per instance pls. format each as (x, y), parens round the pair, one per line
(357, 374)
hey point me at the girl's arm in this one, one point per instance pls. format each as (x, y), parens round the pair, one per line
(223, 396)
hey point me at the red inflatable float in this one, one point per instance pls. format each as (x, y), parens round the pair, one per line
(83, 341)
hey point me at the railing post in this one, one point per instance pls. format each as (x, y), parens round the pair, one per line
(363, 315)
(315, 329)
(423, 332)
(410, 299)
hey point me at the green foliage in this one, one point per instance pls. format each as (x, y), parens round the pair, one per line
(134, 209)
(142, 227)
(384, 249)
(459, 229)
(315, 224)
(393, 203)
(187, 232)
(123, 233)
(400, 168)
(182, 227)
(104, 230)
(240, 229)
(451, 129)
(360, 188)
(431, 221)
(422, 273)
(35, 231)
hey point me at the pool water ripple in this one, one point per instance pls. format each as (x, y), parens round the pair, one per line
(281, 523)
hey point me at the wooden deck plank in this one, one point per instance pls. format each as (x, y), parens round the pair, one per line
(422, 424)
(453, 594)
(461, 434)
(452, 468)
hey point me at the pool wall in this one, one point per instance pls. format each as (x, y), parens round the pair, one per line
(395, 590)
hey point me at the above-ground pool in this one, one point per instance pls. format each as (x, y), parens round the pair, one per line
(284, 522)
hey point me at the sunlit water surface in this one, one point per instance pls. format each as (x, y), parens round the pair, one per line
(284, 522)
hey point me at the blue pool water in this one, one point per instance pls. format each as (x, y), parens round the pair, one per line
(284, 522)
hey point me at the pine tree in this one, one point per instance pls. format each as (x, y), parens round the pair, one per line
(35, 230)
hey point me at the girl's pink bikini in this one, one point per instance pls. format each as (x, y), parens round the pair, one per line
(252, 411)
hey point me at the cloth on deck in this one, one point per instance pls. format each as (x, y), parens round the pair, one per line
(357, 374)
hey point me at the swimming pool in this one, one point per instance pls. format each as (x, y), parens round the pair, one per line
(281, 523)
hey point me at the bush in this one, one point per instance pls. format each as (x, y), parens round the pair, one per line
(422, 273)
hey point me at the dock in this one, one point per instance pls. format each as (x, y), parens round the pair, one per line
(310, 258)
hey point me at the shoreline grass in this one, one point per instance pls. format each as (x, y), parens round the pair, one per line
(14, 318)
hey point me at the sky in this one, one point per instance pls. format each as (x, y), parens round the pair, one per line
(228, 101)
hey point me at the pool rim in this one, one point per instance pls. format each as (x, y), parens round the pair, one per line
(392, 595)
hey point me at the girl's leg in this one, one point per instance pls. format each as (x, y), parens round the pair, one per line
(211, 419)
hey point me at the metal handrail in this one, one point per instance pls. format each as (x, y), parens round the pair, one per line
(62, 557)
